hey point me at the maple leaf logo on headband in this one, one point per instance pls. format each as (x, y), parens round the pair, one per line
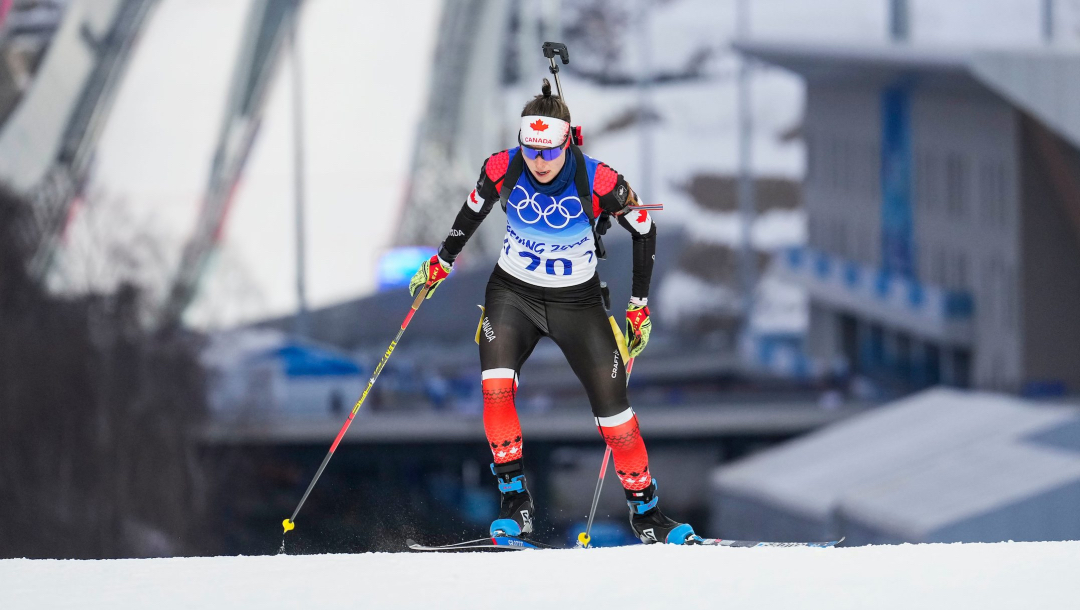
(538, 125)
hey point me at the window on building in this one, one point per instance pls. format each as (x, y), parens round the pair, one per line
(1010, 289)
(843, 157)
(1001, 183)
(1001, 302)
(927, 180)
(987, 200)
(875, 348)
(920, 181)
(993, 193)
(903, 361)
(987, 197)
(834, 164)
(869, 169)
(933, 364)
(961, 368)
(961, 272)
(849, 175)
(849, 341)
(874, 167)
(988, 304)
(955, 184)
(997, 373)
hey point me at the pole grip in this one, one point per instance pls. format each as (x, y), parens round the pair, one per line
(420, 296)
(551, 49)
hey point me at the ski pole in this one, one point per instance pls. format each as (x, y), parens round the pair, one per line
(584, 538)
(289, 523)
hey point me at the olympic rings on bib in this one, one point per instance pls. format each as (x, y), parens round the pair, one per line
(556, 210)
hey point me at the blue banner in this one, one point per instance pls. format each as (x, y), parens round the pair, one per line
(397, 266)
(897, 221)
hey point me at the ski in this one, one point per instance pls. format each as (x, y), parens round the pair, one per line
(508, 543)
(698, 541)
(491, 543)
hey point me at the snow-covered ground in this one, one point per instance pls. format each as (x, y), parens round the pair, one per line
(981, 576)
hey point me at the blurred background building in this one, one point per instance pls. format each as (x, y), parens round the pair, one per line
(944, 228)
(863, 200)
(940, 466)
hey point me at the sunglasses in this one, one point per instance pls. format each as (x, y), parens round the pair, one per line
(548, 154)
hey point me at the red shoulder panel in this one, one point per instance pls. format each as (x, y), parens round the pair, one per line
(496, 165)
(604, 180)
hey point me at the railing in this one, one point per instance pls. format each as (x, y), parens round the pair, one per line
(902, 302)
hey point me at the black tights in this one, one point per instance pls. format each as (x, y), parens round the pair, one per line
(517, 314)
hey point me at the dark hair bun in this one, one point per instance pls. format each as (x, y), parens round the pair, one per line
(547, 104)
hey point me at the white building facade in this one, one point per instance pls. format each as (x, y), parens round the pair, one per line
(944, 215)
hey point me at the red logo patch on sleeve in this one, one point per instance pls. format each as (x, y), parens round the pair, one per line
(642, 216)
(496, 165)
(605, 179)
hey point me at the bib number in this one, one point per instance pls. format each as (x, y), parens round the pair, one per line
(549, 264)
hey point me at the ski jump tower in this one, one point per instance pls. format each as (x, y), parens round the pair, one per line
(471, 112)
(268, 26)
(48, 141)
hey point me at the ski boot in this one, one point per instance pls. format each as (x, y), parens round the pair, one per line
(516, 508)
(650, 525)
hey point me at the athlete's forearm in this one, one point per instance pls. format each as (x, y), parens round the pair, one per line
(466, 223)
(642, 229)
(644, 257)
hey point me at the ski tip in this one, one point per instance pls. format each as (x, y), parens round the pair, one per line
(288, 525)
(409, 542)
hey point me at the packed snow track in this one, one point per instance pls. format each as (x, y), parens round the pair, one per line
(983, 576)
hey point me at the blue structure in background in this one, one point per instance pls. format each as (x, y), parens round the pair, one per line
(287, 378)
(397, 266)
(784, 353)
(897, 222)
(300, 360)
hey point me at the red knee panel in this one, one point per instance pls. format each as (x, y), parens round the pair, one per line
(631, 460)
(501, 421)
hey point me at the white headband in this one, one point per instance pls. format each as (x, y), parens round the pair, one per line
(543, 131)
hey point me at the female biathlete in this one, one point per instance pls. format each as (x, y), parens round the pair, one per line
(545, 284)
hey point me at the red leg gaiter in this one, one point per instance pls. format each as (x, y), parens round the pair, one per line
(500, 417)
(631, 460)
